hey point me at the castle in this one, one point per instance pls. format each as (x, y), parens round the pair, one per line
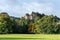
(33, 15)
(30, 16)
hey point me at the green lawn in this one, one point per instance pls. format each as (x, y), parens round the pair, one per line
(29, 37)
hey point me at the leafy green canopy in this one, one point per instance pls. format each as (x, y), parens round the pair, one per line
(34, 23)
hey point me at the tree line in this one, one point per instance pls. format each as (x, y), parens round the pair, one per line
(34, 23)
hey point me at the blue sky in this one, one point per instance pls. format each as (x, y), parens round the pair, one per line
(19, 8)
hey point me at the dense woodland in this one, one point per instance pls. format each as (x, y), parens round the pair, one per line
(34, 23)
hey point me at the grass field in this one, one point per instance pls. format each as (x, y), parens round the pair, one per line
(29, 37)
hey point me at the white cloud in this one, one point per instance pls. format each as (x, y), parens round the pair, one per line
(15, 9)
(10, 7)
(38, 7)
